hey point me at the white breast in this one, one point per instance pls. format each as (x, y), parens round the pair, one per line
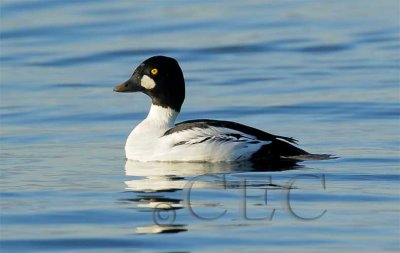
(143, 140)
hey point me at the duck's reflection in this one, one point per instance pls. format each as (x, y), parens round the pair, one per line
(158, 188)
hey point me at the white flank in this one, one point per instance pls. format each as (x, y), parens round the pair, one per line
(213, 144)
(147, 82)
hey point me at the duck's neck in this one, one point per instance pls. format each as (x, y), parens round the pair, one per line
(161, 117)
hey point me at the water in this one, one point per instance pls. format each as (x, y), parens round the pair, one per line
(326, 73)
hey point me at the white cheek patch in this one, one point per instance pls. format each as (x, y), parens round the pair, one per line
(147, 82)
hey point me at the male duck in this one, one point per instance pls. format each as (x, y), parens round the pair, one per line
(158, 138)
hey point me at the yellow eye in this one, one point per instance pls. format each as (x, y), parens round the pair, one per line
(154, 72)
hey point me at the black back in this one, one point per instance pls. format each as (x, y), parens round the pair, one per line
(204, 123)
(279, 147)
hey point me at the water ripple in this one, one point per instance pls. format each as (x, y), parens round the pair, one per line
(186, 53)
(51, 245)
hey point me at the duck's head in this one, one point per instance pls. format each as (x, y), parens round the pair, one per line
(159, 77)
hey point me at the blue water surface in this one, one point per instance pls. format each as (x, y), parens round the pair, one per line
(324, 72)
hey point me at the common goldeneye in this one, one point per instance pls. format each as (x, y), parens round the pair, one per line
(157, 138)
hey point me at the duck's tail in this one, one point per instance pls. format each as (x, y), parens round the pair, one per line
(281, 150)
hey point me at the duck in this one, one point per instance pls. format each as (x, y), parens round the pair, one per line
(158, 139)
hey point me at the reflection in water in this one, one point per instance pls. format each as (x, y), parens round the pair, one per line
(164, 188)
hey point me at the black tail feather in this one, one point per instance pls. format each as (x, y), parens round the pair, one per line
(283, 151)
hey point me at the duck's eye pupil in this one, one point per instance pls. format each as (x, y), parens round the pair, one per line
(154, 71)
(126, 85)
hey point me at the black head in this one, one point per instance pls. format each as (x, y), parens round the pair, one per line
(159, 77)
